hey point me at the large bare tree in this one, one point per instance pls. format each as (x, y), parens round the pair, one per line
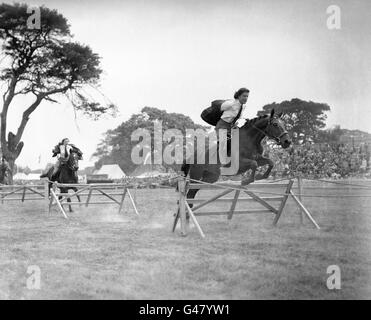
(39, 59)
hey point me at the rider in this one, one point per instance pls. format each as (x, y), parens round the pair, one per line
(232, 110)
(63, 149)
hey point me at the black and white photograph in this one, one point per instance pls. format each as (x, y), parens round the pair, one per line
(190, 151)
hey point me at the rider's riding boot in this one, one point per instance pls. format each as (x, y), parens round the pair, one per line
(55, 175)
(228, 164)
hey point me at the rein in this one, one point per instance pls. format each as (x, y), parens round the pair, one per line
(69, 162)
(277, 139)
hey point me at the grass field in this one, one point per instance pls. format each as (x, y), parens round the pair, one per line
(99, 254)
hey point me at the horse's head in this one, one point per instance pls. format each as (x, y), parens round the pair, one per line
(276, 130)
(73, 161)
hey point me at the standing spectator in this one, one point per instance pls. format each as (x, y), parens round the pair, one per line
(363, 167)
(5, 171)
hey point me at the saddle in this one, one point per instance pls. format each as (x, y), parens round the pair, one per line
(63, 160)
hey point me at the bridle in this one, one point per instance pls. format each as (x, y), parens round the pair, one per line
(277, 139)
(70, 161)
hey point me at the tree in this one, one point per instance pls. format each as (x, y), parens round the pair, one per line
(116, 146)
(45, 64)
(331, 135)
(303, 119)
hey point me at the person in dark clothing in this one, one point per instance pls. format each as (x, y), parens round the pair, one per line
(232, 111)
(5, 170)
(63, 150)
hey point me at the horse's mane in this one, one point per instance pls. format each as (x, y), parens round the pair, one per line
(250, 122)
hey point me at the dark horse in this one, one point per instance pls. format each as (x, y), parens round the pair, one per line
(67, 174)
(251, 157)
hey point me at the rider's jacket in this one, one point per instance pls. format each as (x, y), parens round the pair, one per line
(231, 109)
(63, 150)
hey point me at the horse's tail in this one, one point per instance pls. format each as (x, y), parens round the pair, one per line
(46, 174)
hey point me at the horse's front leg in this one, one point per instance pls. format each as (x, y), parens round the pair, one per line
(65, 191)
(70, 207)
(191, 194)
(50, 185)
(61, 197)
(77, 196)
(262, 162)
(249, 164)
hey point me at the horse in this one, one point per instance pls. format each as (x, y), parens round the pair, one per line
(67, 174)
(250, 155)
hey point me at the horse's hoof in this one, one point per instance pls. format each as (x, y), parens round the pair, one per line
(245, 182)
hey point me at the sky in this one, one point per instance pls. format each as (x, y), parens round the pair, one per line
(178, 55)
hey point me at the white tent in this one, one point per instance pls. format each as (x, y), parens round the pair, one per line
(33, 176)
(20, 176)
(112, 170)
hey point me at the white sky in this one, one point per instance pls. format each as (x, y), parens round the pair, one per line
(179, 55)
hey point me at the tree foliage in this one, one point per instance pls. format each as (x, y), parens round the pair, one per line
(331, 135)
(43, 63)
(303, 119)
(116, 146)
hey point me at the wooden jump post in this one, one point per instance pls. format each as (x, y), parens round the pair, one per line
(115, 192)
(22, 193)
(185, 212)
